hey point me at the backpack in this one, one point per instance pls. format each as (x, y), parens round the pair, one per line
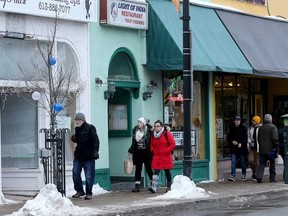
(166, 137)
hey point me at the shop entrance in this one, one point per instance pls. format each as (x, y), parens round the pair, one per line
(235, 95)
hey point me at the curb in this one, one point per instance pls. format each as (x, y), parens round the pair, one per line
(212, 202)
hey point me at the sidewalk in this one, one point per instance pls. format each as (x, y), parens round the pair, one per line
(128, 203)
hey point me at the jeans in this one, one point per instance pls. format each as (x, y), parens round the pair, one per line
(167, 173)
(234, 160)
(89, 171)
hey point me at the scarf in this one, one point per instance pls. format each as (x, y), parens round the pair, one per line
(157, 135)
(139, 135)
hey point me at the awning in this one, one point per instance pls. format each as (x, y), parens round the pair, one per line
(213, 49)
(263, 41)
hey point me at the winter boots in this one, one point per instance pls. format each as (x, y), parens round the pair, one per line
(137, 187)
(168, 186)
(153, 187)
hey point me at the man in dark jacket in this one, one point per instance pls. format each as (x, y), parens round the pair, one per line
(268, 147)
(237, 139)
(85, 154)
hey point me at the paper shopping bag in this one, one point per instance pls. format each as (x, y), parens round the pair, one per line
(128, 166)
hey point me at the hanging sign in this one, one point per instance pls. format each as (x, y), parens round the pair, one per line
(120, 13)
(78, 10)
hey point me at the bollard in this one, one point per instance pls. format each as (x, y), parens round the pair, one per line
(285, 159)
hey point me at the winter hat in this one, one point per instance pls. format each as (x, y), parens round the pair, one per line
(143, 120)
(256, 119)
(237, 118)
(268, 118)
(80, 116)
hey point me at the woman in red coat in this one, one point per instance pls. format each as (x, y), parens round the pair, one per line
(162, 144)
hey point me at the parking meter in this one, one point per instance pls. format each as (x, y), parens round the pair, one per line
(285, 159)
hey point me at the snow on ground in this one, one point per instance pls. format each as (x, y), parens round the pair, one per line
(4, 201)
(183, 188)
(49, 202)
(97, 190)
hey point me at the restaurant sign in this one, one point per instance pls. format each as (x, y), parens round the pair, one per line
(130, 14)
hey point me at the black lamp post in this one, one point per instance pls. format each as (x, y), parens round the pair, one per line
(187, 86)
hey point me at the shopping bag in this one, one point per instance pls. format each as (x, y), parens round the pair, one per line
(128, 166)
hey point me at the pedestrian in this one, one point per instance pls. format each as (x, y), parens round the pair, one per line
(237, 139)
(85, 154)
(162, 146)
(140, 149)
(253, 148)
(268, 148)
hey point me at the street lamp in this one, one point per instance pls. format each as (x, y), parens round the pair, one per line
(187, 86)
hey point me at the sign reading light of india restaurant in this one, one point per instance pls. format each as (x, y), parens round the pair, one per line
(77, 10)
(129, 14)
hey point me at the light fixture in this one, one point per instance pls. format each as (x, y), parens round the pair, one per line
(111, 90)
(149, 91)
(98, 82)
(16, 35)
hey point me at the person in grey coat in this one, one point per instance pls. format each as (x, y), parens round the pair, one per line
(268, 148)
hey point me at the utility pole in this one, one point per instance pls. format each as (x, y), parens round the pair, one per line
(187, 86)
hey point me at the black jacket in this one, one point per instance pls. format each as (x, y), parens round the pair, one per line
(238, 134)
(268, 138)
(87, 142)
(138, 154)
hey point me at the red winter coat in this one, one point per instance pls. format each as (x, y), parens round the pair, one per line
(161, 149)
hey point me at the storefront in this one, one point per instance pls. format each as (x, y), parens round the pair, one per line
(237, 60)
(26, 30)
(213, 51)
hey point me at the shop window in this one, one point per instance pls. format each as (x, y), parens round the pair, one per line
(19, 132)
(121, 67)
(173, 114)
(22, 55)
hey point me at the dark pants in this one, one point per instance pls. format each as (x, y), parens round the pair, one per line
(89, 171)
(167, 173)
(263, 158)
(140, 159)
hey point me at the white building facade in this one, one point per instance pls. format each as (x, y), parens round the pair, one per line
(23, 27)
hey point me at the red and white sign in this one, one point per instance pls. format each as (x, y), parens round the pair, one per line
(78, 10)
(129, 14)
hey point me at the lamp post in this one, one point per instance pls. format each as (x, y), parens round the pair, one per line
(187, 86)
(285, 159)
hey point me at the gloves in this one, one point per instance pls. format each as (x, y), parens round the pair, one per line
(73, 139)
(96, 155)
(148, 126)
(234, 142)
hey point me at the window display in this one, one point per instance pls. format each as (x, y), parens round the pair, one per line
(173, 113)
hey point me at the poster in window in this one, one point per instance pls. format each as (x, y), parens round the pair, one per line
(118, 117)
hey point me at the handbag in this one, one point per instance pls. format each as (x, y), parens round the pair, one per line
(128, 166)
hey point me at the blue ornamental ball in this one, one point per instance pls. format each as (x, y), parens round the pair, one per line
(57, 107)
(52, 60)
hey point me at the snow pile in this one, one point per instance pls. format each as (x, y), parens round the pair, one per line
(49, 202)
(183, 188)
